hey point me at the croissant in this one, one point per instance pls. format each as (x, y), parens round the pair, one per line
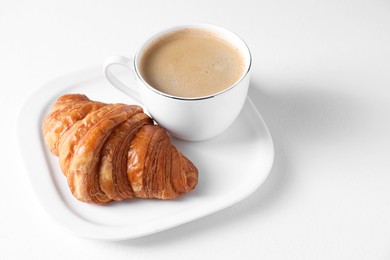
(113, 152)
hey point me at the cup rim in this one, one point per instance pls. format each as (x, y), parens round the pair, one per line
(176, 28)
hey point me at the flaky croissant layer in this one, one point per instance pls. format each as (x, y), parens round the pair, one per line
(114, 152)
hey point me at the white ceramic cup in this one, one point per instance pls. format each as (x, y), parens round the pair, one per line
(191, 119)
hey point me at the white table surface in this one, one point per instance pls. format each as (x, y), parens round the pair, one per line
(320, 79)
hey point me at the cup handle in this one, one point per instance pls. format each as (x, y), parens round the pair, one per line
(127, 63)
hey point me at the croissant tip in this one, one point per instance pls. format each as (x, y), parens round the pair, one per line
(192, 180)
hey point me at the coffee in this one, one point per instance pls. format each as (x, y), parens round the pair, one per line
(191, 63)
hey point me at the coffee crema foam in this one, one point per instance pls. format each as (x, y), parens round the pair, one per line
(191, 63)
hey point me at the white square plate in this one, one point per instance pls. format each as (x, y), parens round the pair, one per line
(231, 167)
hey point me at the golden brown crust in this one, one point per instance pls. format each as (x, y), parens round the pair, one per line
(113, 160)
(156, 169)
(114, 152)
(63, 116)
(69, 140)
(83, 179)
(68, 99)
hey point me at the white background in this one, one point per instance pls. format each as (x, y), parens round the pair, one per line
(320, 79)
